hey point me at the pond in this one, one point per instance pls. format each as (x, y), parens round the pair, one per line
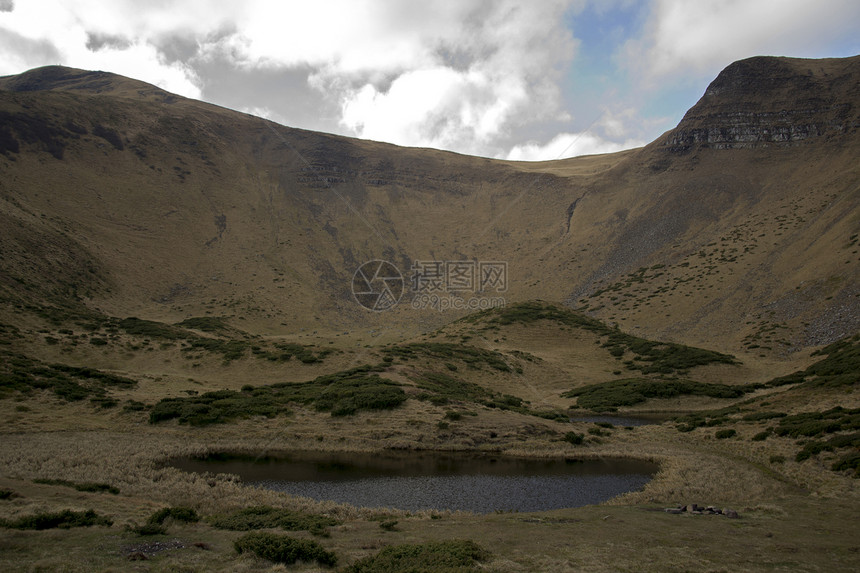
(623, 420)
(479, 483)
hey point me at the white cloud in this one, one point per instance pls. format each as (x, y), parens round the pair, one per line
(567, 145)
(66, 31)
(700, 38)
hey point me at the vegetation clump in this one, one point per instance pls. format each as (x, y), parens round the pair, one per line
(473, 357)
(452, 556)
(649, 356)
(65, 519)
(609, 396)
(340, 394)
(284, 549)
(839, 368)
(22, 374)
(183, 514)
(80, 486)
(266, 517)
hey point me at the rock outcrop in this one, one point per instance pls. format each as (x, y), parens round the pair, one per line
(768, 101)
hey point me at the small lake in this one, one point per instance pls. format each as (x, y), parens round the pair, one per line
(622, 421)
(480, 483)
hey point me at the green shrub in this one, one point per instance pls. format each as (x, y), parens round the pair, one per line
(283, 549)
(431, 557)
(265, 517)
(341, 394)
(80, 486)
(758, 416)
(762, 436)
(453, 416)
(777, 459)
(183, 514)
(6, 493)
(63, 520)
(850, 462)
(574, 438)
(605, 396)
(724, 434)
(149, 529)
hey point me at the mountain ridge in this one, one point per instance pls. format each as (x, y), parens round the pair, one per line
(171, 204)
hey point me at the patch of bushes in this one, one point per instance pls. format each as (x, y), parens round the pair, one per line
(707, 418)
(340, 394)
(90, 487)
(265, 517)
(435, 556)
(183, 514)
(21, 374)
(451, 388)
(812, 424)
(151, 329)
(851, 462)
(838, 369)
(284, 351)
(725, 434)
(148, 529)
(574, 438)
(473, 357)
(214, 324)
(651, 356)
(284, 549)
(759, 416)
(608, 396)
(65, 519)
(6, 494)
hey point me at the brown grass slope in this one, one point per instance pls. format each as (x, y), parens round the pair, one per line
(737, 230)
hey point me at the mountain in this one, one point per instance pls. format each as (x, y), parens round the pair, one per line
(736, 230)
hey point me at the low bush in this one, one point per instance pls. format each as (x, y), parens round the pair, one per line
(283, 549)
(265, 517)
(340, 394)
(574, 438)
(183, 514)
(80, 486)
(431, 557)
(611, 395)
(725, 434)
(149, 529)
(65, 519)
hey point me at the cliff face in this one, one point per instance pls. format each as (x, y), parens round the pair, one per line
(767, 101)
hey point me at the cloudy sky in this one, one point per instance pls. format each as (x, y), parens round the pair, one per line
(518, 79)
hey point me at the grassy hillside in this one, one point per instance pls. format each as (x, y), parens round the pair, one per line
(134, 202)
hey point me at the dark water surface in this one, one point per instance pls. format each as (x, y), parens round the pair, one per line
(622, 420)
(431, 480)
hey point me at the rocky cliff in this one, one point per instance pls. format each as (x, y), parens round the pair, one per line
(768, 101)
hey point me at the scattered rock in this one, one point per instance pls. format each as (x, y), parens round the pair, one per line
(143, 551)
(695, 509)
(137, 556)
